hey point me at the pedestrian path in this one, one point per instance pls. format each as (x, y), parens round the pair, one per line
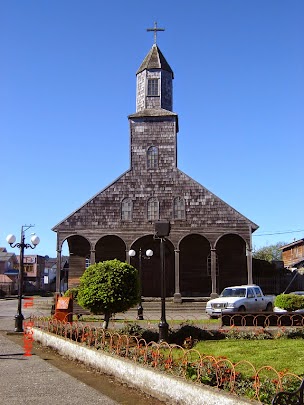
(32, 380)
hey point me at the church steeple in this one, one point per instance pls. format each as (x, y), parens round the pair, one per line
(154, 125)
(154, 82)
(155, 60)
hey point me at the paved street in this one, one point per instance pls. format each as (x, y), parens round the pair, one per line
(47, 378)
(8, 310)
(8, 307)
(28, 380)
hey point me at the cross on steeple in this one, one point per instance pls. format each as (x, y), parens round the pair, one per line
(155, 29)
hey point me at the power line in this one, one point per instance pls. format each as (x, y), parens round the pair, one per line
(278, 233)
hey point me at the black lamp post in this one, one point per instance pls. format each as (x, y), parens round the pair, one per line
(163, 325)
(162, 229)
(148, 255)
(11, 239)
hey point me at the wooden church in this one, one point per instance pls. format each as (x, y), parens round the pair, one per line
(210, 243)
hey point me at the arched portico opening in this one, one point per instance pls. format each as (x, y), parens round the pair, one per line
(232, 263)
(110, 247)
(79, 248)
(151, 268)
(195, 279)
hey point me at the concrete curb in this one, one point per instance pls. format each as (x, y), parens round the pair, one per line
(160, 385)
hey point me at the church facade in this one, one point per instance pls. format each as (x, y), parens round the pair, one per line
(210, 244)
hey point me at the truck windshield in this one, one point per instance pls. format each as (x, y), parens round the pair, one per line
(233, 292)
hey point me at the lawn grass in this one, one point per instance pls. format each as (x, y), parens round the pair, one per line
(281, 354)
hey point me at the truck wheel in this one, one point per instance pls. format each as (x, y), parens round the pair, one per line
(242, 308)
(269, 307)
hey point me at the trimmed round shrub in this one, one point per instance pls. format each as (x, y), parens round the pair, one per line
(290, 302)
(108, 287)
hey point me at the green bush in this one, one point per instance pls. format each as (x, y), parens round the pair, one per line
(72, 292)
(195, 333)
(290, 302)
(149, 335)
(108, 287)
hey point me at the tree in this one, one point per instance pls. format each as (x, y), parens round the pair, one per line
(269, 253)
(108, 287)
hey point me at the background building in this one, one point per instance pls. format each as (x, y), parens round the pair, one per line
(293, 255)
(8, 272)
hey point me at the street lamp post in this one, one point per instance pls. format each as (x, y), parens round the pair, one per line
(163, 326)
(148, 255)
(162, 229)
(11, 239)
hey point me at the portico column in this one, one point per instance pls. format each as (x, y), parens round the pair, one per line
(128, 258)
(177, 295)
(213, 274)
(93, 256)
(58, 272)
(249, 265)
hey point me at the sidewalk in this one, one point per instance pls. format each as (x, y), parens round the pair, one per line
(32, 380)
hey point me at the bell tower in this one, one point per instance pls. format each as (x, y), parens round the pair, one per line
(154, 125)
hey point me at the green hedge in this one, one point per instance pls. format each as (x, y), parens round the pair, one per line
(290, 302)
(72, 292)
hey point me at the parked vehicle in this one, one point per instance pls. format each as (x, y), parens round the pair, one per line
(243, 298)
(297, 292)
(281, 310)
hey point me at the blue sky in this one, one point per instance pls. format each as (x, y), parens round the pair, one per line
(67, 81)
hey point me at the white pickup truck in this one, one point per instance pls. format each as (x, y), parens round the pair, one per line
(243, 298)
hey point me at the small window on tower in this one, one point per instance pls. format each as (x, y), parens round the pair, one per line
(153, 87)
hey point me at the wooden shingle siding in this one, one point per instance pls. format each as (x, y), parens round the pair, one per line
(207, 217)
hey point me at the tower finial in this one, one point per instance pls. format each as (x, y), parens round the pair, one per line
(155, 29)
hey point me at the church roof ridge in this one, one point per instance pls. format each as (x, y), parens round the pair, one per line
(155, 60)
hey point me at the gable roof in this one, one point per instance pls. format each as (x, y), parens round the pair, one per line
(88, 201)
(206, 208)
(221, 204)
(294, 243)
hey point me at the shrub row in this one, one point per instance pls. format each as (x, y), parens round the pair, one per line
(290, 302)
(188, 335)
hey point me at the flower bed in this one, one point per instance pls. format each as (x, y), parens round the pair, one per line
(241, 378)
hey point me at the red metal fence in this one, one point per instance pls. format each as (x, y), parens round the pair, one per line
(241, 378)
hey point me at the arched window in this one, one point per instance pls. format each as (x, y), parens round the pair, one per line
(153, 209)
(152, 157)
(126, 209)
(179, 208)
